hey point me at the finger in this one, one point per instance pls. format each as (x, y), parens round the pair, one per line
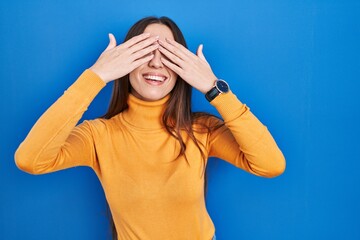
(145, 43)
(145, 51)
(172, 66)
(112, 42)
(199, 52)
(174, 49)
(176, 44)
(174, 58)
(143, 60)
(135, 40)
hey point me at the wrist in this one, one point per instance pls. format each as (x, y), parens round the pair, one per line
(208, 85)
(220, 87)
(97, 72)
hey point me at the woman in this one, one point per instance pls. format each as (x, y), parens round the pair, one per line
(150, 150)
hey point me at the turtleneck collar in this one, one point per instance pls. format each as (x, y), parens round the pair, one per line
(145, 114)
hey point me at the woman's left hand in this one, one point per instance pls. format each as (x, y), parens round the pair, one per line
(194, 69)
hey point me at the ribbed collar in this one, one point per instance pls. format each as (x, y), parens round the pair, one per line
(143, 114)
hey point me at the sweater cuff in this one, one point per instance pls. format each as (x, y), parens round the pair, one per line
(229, 106)
(87, 86)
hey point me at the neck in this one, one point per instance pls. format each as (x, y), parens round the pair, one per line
(144, 114)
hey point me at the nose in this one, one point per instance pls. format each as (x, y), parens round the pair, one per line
(155, 62)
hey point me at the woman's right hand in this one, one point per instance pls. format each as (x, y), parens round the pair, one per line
(117, 61)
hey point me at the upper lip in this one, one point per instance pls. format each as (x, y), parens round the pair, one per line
(154, 74)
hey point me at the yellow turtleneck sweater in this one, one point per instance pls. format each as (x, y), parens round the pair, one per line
(150, 195)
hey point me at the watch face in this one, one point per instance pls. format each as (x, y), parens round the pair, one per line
(222, 86)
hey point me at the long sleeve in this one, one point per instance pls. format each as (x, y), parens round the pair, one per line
(55, 142)
(244, 141)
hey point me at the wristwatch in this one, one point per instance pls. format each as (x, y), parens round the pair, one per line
(220, 87)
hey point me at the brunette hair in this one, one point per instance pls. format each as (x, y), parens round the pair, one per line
(178, 116)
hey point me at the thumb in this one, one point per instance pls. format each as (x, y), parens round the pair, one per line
(112, 42)
(199, 52)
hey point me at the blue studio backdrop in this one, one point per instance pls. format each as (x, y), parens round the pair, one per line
(296, 64)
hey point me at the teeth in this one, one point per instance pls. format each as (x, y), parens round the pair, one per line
(154, 78)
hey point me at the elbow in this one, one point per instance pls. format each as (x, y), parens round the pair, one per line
(273, 166)
(278, 166)
(23, 161)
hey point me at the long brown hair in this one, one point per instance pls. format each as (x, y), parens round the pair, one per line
(178, 116)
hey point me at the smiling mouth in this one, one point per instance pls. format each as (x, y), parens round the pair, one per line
(154, 79)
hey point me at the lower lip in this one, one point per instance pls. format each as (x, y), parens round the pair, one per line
(154, 83)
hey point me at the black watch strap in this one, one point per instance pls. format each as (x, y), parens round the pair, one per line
(212, 94)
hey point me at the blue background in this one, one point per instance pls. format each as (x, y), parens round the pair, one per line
(295, 63)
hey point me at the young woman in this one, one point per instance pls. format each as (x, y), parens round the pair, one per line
(150, 150)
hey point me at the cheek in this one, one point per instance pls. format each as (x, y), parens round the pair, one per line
(133, 77)
(172, 84)
(173, 75)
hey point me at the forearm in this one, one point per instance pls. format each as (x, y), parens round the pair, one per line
(50, 132)
(259, 152)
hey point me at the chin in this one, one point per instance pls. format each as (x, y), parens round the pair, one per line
(149, 96)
